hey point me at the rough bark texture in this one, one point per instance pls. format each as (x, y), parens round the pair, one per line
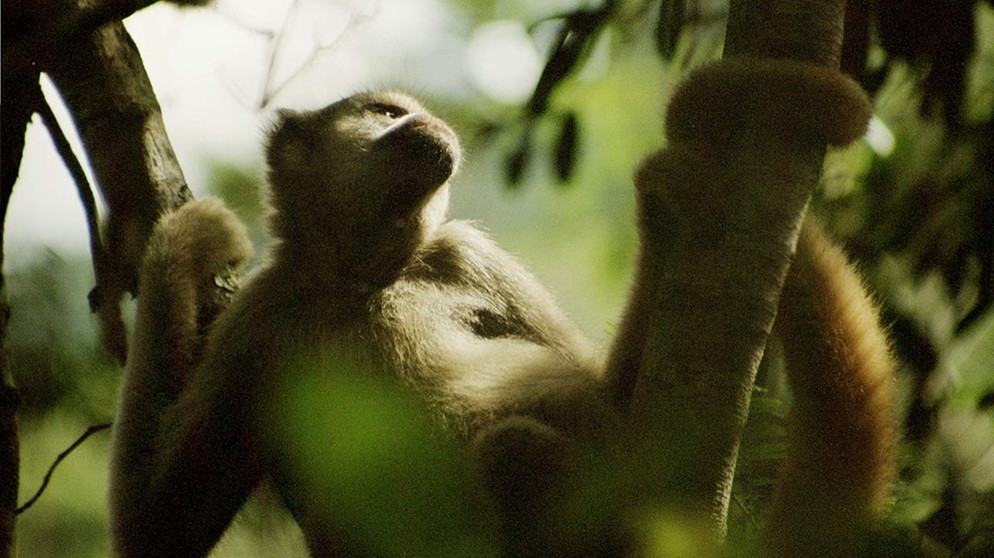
(108, 93)
(85, 48)
(715, 302)
(804, 30)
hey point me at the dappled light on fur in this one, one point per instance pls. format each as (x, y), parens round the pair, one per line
(408, 387)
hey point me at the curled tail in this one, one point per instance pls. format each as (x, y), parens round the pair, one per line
(840, 466)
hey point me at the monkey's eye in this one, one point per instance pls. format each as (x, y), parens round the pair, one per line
(386, 109)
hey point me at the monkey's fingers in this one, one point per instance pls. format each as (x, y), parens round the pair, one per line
(203, 236)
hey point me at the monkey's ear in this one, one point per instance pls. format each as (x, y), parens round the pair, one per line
(289, 142)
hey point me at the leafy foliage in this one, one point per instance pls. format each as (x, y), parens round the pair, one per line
(919, 219)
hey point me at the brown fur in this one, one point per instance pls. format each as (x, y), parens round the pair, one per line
(369, 271)
(782, 98)
(839, 473)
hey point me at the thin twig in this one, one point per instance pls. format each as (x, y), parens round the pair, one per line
(745, 509)
(85, 192)
(277, 41)
(48, 476)
(269, 91)
(234, 17)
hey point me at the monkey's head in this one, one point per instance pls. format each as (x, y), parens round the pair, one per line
(362, 180)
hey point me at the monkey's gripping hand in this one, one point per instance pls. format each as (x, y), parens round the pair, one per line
(784, 99)
(743, 131)
(203, 243)
(188, 276)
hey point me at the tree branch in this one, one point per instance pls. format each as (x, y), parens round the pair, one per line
(58, 459)
(98, 255)
(104, 84)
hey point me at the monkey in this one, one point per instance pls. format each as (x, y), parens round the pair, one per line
(376, 240)
(369, 270)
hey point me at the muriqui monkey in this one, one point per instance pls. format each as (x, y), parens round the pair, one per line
(369, 269)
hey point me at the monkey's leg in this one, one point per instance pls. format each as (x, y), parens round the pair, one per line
(841, 460)
(174, 475)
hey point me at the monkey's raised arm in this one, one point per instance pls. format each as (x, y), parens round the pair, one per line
(179, 468)
(734, 171)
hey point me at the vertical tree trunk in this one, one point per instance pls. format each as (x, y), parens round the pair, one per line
(803, 30)
(9, 450)
(19, 91)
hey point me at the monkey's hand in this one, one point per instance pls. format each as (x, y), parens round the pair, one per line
(187, 278)
(202, 239)
(741, 134)
(207, 242)
(788, 100)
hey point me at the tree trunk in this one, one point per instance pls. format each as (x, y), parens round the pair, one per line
(100, 73)
(9, 450)
(20, 93)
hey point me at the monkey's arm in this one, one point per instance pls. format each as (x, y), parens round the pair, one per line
(179, 469)
(841, 461)
(719, 217)
(733, 166)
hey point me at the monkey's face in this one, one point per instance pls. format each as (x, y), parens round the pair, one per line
(363, 178)
(373, 156)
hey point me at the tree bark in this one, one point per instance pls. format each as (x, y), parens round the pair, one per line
(715, 302)
(108, 93)
(9, 443)
(88, 53)
(803, 30)
(20, 93)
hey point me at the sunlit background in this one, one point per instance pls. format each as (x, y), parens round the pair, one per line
(219, 73)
